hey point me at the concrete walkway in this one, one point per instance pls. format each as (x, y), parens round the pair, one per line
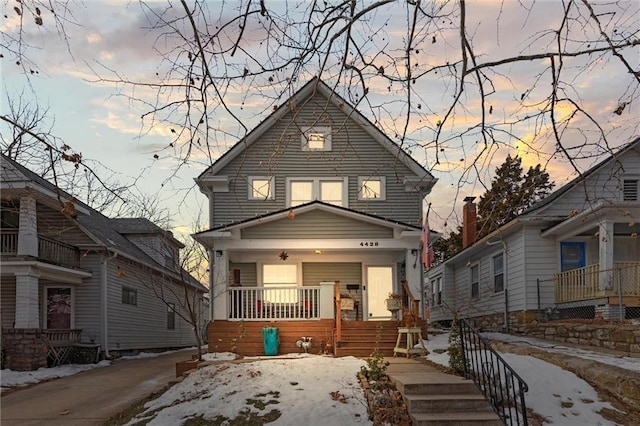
(90, 397)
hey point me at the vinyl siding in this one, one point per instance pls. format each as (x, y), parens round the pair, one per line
(346, 273)
(278, 152)
(144, 325)
(542, 260)
(53, 224)
(8, 300)
(606, 184)
(317, 224)
(88, 299)
(248, 273)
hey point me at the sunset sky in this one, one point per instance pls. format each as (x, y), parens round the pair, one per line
(105, 37)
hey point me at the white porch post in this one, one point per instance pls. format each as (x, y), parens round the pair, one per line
(27, 313)
(28, 231)
(220, 274)
(327, 307)
(605, 245)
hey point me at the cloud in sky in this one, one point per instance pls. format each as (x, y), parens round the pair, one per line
(99, 118)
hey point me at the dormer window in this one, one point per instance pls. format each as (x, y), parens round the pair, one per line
(316, 139)
(371, 188)
(261, 187)
(630, 190)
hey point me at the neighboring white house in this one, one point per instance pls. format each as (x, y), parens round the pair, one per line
(71, 275)
(313, 195)
(576, 251)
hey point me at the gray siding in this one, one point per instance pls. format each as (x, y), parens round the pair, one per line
(145, 324)
(54, 225)
(605, 185)
(542, 260)
(346, 273)
(317, 224)
(248, 273)
(278, 153)
(88, 299)
(8, 300)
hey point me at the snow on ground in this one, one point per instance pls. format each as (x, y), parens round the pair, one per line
(308, 389)
(558, 395)
(296, 390)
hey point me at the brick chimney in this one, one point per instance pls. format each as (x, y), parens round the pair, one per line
(469, 215)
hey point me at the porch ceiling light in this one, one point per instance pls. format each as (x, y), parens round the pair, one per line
(317, 251)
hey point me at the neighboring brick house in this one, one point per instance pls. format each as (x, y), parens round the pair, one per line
(71, 275)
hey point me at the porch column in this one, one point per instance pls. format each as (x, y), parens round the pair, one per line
(327, 307)
(28, 230)
(605, 245)
(220, 274)
(27, 313)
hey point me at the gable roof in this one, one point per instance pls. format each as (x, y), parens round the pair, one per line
(302, 208)
(103, 230)
(635, 143)
(317, 86)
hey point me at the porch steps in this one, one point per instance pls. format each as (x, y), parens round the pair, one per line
(362, 338)
(436, 398)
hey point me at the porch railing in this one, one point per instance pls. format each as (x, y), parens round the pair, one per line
(48, 249)
(585, 283)
(498, 382)
(274, 303)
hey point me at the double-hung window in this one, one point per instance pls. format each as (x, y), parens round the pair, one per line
(474, 275)
(261, 187)
(129, 296)
(329, 190)
(171, 316)
(316, 138)
(498, 272)
(436, 288)
(371, 188)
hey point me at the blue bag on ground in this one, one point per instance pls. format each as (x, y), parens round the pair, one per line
(270, 339)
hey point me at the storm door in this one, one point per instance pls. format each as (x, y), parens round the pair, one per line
(58, 308)
(379, 286)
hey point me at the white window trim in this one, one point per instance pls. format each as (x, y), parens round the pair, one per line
(383, 188)
(476, 265)
(325, 130)
(316, 187)
(73, 304)
(250, 180)
(493, 272)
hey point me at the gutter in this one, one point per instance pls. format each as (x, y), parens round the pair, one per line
(104, 328)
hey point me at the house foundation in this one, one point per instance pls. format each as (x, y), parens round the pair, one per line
(610, 312)
(25, 349)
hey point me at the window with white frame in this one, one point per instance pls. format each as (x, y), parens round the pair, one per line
(316, 139)
(129, 296)
(371, 188)
(329, 190)
(280, 282)
(261, 187)
(436, 287)
(474, 277)
(498, 272)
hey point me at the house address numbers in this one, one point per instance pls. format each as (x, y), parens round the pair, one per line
(368, 244)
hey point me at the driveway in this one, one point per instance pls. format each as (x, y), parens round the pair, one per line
(90, 397)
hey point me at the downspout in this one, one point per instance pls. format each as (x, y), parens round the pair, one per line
(506, 290)
(104, 341)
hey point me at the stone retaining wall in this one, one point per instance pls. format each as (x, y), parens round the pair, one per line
(24, 349)
(620, 337)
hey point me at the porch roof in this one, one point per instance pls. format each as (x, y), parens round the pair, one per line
(588, 219)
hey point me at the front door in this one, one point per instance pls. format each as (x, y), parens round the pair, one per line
(58, 300)
(379, 286)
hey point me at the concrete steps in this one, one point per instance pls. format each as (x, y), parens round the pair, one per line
(436, 398)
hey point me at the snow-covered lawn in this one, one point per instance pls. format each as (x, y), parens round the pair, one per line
(312, 389)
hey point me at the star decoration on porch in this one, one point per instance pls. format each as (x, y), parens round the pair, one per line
(284, 255)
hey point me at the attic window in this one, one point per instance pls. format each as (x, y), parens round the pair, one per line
(316, 139)
(630, 190)
(371, 188)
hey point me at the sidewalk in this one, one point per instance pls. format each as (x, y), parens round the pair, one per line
(90, 397)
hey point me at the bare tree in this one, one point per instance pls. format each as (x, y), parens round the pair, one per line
(445, 80)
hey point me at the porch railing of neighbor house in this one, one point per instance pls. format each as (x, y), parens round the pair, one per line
(48, 249)
(584, 283)
(273, 303)
(499, 383)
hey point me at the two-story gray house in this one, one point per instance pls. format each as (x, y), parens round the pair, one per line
(575, 252)
(73, 278)
(314, 216)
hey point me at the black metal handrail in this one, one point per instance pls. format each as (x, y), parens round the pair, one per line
(499, 383)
